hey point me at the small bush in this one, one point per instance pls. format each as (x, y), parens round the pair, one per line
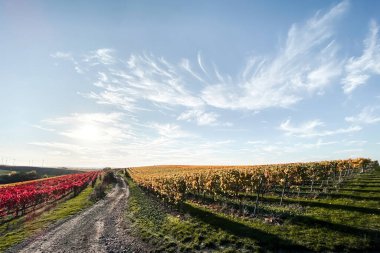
(100, 189)
(109, 178)
(98, 193)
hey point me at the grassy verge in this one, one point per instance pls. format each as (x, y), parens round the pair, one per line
(346, 221)
(19, 229)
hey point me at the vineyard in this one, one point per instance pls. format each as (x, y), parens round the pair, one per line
(18, 199)
(327, 206)
(177, 183)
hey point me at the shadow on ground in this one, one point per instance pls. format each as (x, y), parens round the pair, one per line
(263, 239)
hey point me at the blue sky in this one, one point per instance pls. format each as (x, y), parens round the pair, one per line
(124, 83)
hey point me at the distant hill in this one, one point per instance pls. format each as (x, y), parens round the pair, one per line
(25, 173)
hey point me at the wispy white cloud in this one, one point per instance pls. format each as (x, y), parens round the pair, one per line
(60, 148)
(305, 64)
(359, 69)
(256, 142)
(201, 64)
(279, 148)
(216, 144)
(354, 152)
(108, 97)
(101, 55)
(306, 129)
(145, 78)
(313, 129)
(165, 145)
(171, 131)
(366, 116)
(185, 64)
(44, 128)
(62, 55)
(99, 139)
(68, 57)
(318, 144)
(86, 117)
(354, 142)
(200, 117)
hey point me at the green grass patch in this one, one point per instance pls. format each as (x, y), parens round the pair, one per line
(17, 230)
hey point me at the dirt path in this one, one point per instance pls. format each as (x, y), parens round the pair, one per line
(101, 228)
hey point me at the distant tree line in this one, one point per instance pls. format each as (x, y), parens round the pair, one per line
(25, 173)
(19, 177)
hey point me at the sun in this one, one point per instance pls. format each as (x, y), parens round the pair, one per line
(87, 132)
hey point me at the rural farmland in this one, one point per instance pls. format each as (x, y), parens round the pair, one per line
(287, 207)
(139, 126)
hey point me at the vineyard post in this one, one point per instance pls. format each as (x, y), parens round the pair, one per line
(321, 183)
(283, 189)
(312, 183)
(263, 188)
(198, 188)
(312, 180)
(334, 178)
(288, 189)
(257, 196)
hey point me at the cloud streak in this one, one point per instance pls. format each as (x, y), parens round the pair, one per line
(312, 129)
(101, 55)
(359, 69)
(366, 116)
(307, 62)
(202, 118)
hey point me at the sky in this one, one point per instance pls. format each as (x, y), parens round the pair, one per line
(128, 83)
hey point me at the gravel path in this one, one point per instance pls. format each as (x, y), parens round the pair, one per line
(101, 228)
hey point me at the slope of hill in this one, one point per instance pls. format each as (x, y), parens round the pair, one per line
(25, 173)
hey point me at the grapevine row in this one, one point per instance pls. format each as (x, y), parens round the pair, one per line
(18, 198)
(175, 183)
